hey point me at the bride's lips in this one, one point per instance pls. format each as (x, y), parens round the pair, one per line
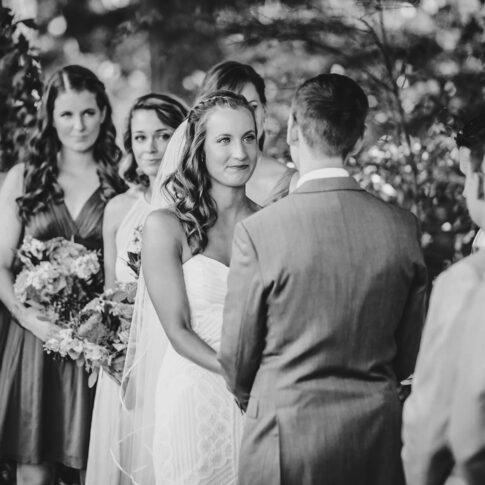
(239, 167)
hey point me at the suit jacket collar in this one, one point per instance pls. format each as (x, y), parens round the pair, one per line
(328, 185)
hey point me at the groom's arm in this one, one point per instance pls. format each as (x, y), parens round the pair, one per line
(244, 326)
(408, 334)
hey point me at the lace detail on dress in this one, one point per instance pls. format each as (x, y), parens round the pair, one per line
(198, 425)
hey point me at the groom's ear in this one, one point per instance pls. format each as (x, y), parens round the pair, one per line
(357, 146)
(292, 133)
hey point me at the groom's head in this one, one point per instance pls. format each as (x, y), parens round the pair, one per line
(328, 112)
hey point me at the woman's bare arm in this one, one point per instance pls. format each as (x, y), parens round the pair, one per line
(30, 318)
(161, 258)
(114, 213)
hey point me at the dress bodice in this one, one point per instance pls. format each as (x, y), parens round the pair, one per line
(128, 237)
(56, 221)
(206, 286)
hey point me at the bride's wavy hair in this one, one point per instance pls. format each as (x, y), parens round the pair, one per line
(190, 185)
(41, 168)
(169, 110)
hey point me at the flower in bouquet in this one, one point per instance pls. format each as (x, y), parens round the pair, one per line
(86, 266)
(65, 344)
(40, 284)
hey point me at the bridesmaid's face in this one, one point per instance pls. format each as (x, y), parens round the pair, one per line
(149, 140)
(476, 206)
(230, 146)
(252, 97)
(77, 119)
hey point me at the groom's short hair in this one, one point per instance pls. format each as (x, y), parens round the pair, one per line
(330, 110)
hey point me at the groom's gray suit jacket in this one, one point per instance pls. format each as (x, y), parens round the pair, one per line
(322, 319)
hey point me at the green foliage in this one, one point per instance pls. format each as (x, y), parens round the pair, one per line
(20, 88)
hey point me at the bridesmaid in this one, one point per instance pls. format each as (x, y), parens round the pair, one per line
(151, 123)
(60, 190)
(271, 179)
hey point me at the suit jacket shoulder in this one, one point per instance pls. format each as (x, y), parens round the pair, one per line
(286, 210)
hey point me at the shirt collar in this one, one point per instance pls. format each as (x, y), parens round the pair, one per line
(322, 173)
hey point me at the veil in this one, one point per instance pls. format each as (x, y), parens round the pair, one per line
(146, 348)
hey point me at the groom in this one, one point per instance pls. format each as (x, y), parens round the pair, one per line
(324, 311)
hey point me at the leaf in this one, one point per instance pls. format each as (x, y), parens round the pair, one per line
(93, 377)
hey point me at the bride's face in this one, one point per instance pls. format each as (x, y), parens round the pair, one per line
(230, 147)
(149, 140)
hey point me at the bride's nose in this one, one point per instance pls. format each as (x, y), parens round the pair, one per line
(239, 151)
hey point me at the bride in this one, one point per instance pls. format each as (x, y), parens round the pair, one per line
(185, 258)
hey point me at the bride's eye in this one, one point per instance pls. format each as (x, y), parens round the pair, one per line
(224, 140)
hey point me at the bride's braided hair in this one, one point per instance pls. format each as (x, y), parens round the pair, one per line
(190, 185)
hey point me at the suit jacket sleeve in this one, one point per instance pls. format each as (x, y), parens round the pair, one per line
(244, 325)
(408, 333)
(467, 417)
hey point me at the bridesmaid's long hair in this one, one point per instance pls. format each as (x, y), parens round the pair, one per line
(169, 110)
(41, 169)
(189, 186)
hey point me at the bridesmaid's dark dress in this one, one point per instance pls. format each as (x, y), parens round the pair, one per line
(45, 403)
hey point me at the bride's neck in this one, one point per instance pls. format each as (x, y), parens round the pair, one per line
(229, 199)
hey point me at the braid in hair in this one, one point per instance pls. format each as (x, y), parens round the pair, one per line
(190, 185)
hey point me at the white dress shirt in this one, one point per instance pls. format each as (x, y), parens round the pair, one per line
(322, 173)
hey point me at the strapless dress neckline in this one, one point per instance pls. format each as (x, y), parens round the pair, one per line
(208, 258)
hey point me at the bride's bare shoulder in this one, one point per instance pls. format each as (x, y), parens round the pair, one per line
(163, 220)
(163, 233)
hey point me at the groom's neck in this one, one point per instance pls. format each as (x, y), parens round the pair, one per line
(314, 160)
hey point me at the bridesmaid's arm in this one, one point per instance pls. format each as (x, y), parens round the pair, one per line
(113, 215)
(11, 227)
(161, 259)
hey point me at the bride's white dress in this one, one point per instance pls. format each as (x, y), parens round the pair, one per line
(198, 426)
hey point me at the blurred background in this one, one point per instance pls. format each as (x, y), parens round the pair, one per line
(421, 63)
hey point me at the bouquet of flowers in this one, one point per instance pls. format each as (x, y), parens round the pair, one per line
(98, 336)
(58, 276)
